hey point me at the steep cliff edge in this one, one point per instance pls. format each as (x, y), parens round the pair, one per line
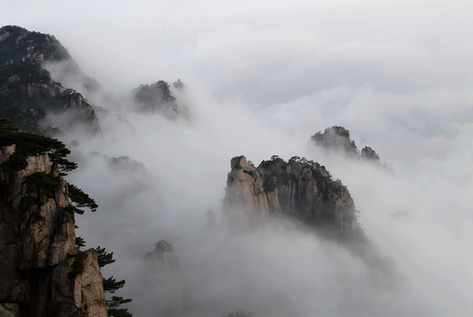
(298, 188)
(43, 272)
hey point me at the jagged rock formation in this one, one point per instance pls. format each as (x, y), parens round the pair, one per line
(27, 92)
(20, 45)
(298, 188)
(369, 154)
(337, 139)
(126, 164)
(158, 98)
(43, 273)
(165, 261)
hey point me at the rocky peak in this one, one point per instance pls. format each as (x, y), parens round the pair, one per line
(369, 154)
(21, 45)
(156, 98)
(43, 272)
(298, 188)
(26, 87)
(337, 139)
(165, 262)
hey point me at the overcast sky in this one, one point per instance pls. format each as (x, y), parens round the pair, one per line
(261, 78)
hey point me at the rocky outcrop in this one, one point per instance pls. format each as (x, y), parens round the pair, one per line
(21, 45)
(298, 188)
(369, 154)
(164, 261)
(158, 98)
(26, 87)
(43, 272)
(79, 111)
(337, 140)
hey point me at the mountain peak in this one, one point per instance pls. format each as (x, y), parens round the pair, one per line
(337, 140)
(21, 45)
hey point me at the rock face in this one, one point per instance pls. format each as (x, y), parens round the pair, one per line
(298, 188)
(27, 91)
(156, 98)
(337, 139)
(165, 261)
(43, 272)
(20, 45)
(369, 154)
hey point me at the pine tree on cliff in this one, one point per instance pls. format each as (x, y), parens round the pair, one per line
(28, 144)
(110, 285)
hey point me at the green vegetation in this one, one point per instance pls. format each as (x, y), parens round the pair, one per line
(20, 104)
(14, 76)
(26, 88)
(104, 258)
(29, 144)
(110, 285)
(80, 242)
(26, 203)
(24, 119)
(81, 199)
(15, 46)
(114, 311)
(269, 183)
(6, 125)
(42, 181)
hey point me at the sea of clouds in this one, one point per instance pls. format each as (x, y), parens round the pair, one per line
(261, 77)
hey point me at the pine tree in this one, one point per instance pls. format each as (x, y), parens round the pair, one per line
(110, 285)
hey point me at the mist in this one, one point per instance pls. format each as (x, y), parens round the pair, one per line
(262, 77)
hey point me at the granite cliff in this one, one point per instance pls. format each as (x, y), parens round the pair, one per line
(302, 190)
(43, 272)
(298, 189)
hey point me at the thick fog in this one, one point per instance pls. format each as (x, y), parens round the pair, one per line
(260, 78)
